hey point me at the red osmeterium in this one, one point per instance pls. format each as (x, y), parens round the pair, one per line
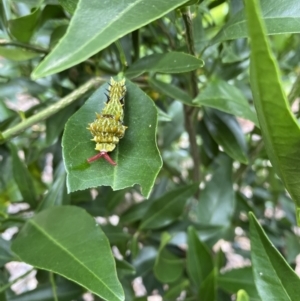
(104, 155)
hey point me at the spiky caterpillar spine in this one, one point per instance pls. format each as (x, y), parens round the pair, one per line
(108, 127)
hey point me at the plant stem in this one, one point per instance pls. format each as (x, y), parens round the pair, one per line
(8, 285)
(135, 36)
(24, 46)
(53, 285)
(51, 110)
(191, 112)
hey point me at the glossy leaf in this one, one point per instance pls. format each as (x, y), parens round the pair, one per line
(200, 265)
(280, 129)
(226, 131)
(144, 262)
(217, 201)
(239, 279)
(65, 291)
(23, 178)
(18, 53)
(57, 34)
(69, 5)
(22, 28)
(175, 290)
(207, 290)
(81, 254)
(84, 33)
(57, 194)
(5, 252)
(224, 97)
(171, 62)
(137, 155)
(124, 268)
(55, 124)
(168, 267)
(242, 296)
(173, 129)
(279, 16)
(209, 146)
(171, 90)
(136, 212)
(166, 209)
(274, 278)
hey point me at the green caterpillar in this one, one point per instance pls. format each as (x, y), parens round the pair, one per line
(107, 129)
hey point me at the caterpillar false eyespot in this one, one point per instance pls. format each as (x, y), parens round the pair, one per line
(107, 129)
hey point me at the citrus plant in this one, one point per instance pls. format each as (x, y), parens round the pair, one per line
(195, 107)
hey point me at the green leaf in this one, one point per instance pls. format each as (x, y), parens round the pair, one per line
(65, 291)
(69, 5)
(242, 296)
(207, 290)
(171, 62)
(57, 194)
(175, 290)
(124, 268)
(5, 252)
(274, 278)
(18, 53)
(81, 254)
(137, 155)
(168, 267)
(280, 17)
(292, 243)
(200, 265)
(171, 90)
(57, 34)
(173, 129)
(115, 234)
(23, 178)
(280, 129)
(51, 12)
(239, 279)
(166, 209)
(217, 201)
(226, 131)
(55, 124)
(135, 212)
(84, 33)
(220, 95)
(23, 28)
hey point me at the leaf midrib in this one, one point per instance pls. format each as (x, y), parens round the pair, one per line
(259, 233)
(118, 17)
(72, 256)
(242, 22)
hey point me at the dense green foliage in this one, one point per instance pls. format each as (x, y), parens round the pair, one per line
(204, 201)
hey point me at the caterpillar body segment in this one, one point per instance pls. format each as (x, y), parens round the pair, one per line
(107, 129)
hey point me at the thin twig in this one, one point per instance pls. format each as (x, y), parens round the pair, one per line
(135, 36)
(53, 285)
(34, 48)
(51, 110)
(190, 113)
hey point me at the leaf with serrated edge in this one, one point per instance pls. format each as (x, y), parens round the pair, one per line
(138, 159)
